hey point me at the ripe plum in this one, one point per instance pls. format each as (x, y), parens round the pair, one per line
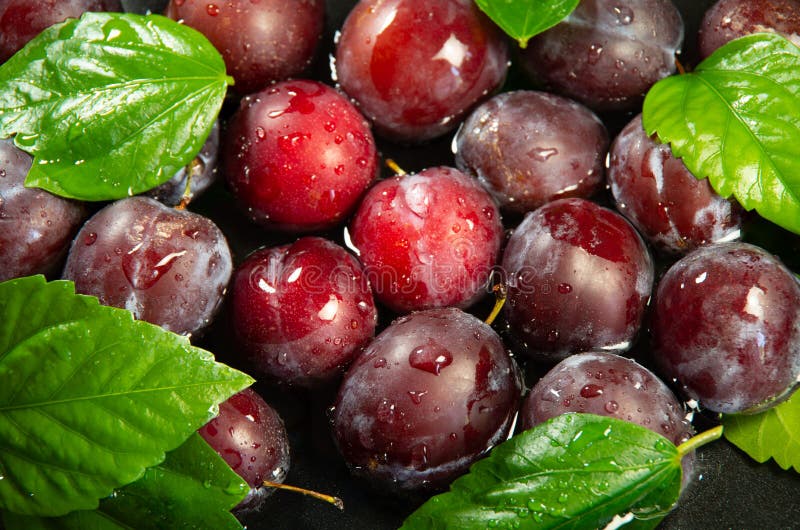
(22, 20)
(416, 66)
(168, 267)
(261, 41)
(36, 227)
(730, 19)
(579, 278)
(427, 240)
(726, 325)
(608, 53)
(430, 395)
(298, 156)
(672, 209)
(528, 148)
(302, 312)
(249, 435)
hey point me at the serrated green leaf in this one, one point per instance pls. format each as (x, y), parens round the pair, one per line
(111, 104)
(574, 471)
(89, 397)
(736, 120)
(774, 433)
(192, 488)
(523, 20)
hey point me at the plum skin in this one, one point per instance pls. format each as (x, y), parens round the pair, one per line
(431, 394)
(726, 326)
(302, 312)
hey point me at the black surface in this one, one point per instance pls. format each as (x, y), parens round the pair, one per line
(730, 490)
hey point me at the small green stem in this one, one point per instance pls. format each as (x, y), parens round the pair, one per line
(500, 300)
(700, 440)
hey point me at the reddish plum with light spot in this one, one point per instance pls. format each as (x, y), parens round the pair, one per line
(261, 41)
(302, 312)
(427, 240)
(416, 66)
(298, 156)
(430, 395)
(169, 267)
(579, 278)
(249, 435)
(730, 19)
(726, 325)
(672, 209)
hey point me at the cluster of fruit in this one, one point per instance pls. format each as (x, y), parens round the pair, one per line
(437, 388)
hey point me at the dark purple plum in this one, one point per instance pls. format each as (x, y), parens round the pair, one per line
(199, 174)
(36, 227)
(579, 278)
(726, 326)
(607, 53)
(671, 208)
(22, 20)
(427, 240)
(730, 19)
(249, 435)
(430, 395)
(415, 67)
(529, 148)
(262, 41)
(609, 385)
(298, 156)
(169, 267)
(302, 312)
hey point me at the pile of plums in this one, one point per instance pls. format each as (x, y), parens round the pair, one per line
(605, 245)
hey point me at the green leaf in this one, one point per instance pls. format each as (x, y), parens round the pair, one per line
(111, 104)
(736, 120)
(774, 433)
(523, 20)
(89, 397)
(192, 488)
(574, 471)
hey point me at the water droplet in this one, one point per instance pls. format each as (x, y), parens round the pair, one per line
(564, 288)
(612, 407)
(591, 390)
(623, 15)
(339, 170)
(212, 10)
(416, 396)
(330, 126)
(261, 133)
(430, 357)
(89, 239)
(386, 411)
(543, 153)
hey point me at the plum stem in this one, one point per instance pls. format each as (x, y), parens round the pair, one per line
(191, 167)
(391, 164)
(500, 293)
(700, 440)
(336, 501)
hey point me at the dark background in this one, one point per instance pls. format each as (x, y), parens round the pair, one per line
(729, 491)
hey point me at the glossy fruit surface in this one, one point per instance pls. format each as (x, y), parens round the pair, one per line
(528, 148)
(166, 266)
(431, 394)
(730, 19)
(302, 312)
(36, 227)
(298, 156)
(262, 41)
(608, 53)
(726, 325)
(609, 385)
(249, 435)
(579, 277)
(671, 208)
(22, 20)
(416, 66)
(427, 240)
